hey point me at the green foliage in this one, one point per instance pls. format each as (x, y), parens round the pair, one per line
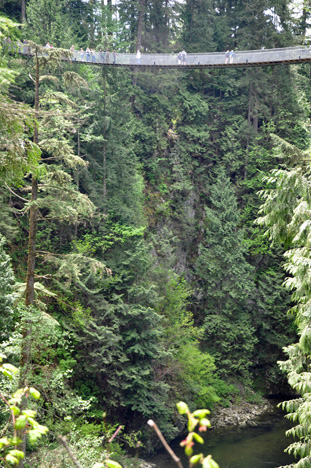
(22, 420)
(48, 22)
(6, 295)
(285, 214)
(226, 281)
(141, 257)
(197, 418)
(18, 154)
(197, 373)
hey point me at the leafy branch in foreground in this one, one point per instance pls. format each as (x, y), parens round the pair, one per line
(23, 423)
(197, 418)
(22, 420)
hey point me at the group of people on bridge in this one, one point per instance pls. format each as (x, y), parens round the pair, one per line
(229, 56)
(101, 56)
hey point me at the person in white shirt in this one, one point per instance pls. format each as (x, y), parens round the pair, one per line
(138, 57)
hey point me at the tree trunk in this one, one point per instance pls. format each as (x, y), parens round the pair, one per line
(30, 278)
(139, 37)
(191, 20)
(104, 149)
(140, 24)
(250, 90)
(304, 17)
(166, 25)
(23, 11)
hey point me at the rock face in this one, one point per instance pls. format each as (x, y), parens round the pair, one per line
(243, 414)
(145, 464)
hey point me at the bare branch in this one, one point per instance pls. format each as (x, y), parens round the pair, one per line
(165, 444)
(15, 194)
(115, 434)
(68, 449)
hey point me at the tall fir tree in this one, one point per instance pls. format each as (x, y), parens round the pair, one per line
(226, 282)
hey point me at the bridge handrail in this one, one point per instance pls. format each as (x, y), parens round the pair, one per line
(286, 54)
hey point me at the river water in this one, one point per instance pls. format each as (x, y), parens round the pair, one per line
(260, 446)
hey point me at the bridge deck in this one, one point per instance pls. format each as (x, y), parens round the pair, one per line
(247, 58)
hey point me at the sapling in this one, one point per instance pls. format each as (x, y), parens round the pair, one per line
(197, 418)
(22, 420)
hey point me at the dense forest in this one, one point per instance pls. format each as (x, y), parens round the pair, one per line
(155, 224)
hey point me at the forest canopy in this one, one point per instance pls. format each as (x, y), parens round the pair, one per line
(133, 272)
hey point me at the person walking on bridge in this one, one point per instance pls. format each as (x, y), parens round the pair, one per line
(232, 55)
(183, 57)
(227, 55)
(138, 57)
(72, 50)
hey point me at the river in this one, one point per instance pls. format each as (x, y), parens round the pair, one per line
(260, 446)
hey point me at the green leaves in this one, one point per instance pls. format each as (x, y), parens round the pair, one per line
(197, 418)
(113, 464)
(195, 459)
(198, 438)
(182, 408)
(107, 464)
(22, 420)
(11, 459)
(8, 370)
(208, 462)
(4, 442)
(201, 413)
(34, 393)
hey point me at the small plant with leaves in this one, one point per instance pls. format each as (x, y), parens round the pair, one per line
(107, 463)
(196, 419)
(22, 419)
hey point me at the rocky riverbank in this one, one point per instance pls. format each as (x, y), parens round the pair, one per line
(236, 415)
(241, 414)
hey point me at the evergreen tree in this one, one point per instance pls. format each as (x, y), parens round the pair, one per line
(198, 26)
(107, 139)
(123, 339)
(226, 281)
(17, 152)
(286, 213)
(148, 25)
(47, 21)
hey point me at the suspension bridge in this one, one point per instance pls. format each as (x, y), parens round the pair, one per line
(242, 58)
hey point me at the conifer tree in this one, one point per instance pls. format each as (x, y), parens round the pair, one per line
(47, 21)
(226, 282)
(17, 152)
(286, 214)
(198, 26)
(53, 181)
